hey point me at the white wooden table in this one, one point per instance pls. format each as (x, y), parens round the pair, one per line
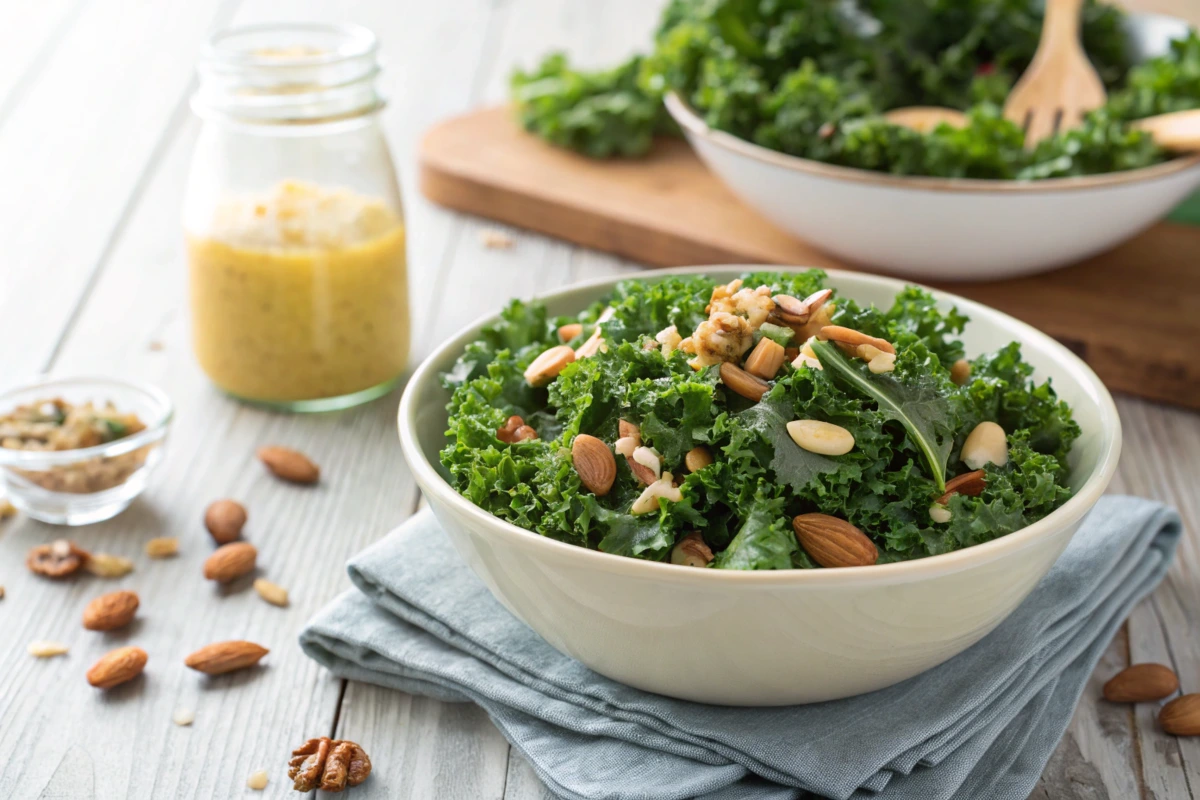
(95, 135)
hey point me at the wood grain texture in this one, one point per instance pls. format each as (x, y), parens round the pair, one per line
(124, 266)
(668, 210)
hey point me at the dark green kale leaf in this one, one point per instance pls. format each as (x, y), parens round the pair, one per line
(911, 395)
(765, 539)
(792, 464)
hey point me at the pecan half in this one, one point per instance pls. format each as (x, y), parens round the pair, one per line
(57, 559)
(328, 764)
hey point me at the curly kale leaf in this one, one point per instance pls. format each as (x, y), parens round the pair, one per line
(602, 113)
(765, 539)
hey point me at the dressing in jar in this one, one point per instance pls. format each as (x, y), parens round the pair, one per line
(294, 226)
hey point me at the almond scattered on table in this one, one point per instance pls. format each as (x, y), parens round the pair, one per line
(110, 611)
(162, 547)
(183, 717)
(57, 559)
(104, 565)
(1141, 683)
(328, 764)
(273, 593)
(46, 649)
(221, 657)
(288, 464)
(225, 520)
(117, 667)
(1181, 716)
(258, 780)
(230, 561)
(7, 510)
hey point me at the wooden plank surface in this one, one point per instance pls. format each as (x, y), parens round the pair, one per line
(118, 190)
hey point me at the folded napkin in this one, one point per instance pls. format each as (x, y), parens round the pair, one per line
(981, 725)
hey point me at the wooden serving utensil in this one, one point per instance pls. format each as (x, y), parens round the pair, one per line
(1178, 131)
(923, 119)
(1061, 85)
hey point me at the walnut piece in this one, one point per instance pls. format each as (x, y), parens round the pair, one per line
(57, 559)
(328, 764)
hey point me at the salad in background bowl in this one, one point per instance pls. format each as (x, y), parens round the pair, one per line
(784, 102)
(763, 623)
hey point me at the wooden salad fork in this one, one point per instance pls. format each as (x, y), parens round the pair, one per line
(1061, 85)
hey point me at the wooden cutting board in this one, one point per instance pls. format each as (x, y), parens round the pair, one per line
(1132, 313)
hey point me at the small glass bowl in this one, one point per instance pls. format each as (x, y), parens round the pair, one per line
(90, 484)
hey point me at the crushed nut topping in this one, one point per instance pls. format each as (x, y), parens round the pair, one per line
(753, 304)
(721, 337)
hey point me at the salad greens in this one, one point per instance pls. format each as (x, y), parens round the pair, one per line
(812, 78)
(909, 425)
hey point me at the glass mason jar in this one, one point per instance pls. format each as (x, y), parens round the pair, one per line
(293, 220)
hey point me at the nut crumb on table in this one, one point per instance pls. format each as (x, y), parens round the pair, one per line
(496, 239)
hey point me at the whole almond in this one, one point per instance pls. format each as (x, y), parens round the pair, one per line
(853, 338)
(108, 566)
(833, 542)
(1181, 716)
(595, 464)
(116, 667)
(221, 657)
(1141, 683)
(698, 458)
(162, 547)
(545, 368)
(230, 561)
(291, 465)
(110, 611)
(224, 520)
(273, 593)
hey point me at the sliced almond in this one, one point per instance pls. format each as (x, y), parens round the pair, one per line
(664, 487)
(104, 565)
(594, 463)
(649, 458)
(568, 332)
(940, 514)
(853, 338)
(766, 359)
(546, 367)
(273, 593)
(697, 458)
(110, 611)
(117, 667)
(834, 542)
(970, 484)
(790, 309)
(884, 362)
(743, 383)
(43, 648)
(825, 438)
(162, 547)
(221, 657)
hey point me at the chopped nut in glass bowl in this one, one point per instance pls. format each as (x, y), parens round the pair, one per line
(79, 450)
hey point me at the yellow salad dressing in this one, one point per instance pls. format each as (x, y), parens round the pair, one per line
(300, 294)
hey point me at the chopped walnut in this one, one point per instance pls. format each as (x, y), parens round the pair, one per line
(753, 304)
(57, 559)
(328, 764)
(721, 337)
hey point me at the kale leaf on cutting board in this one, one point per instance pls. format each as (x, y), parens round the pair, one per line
(908, 429)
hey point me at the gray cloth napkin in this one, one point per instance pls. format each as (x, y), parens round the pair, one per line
(981, 725)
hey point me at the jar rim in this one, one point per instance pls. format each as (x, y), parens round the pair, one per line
(294, 72)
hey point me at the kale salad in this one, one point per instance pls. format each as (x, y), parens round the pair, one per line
(767, 423)
(812, 78)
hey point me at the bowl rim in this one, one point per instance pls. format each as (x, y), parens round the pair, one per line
(691, 122)
(155, 429)
(432, 482)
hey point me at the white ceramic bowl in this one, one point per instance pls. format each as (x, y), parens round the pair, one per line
(949, 228)
(764, 638)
